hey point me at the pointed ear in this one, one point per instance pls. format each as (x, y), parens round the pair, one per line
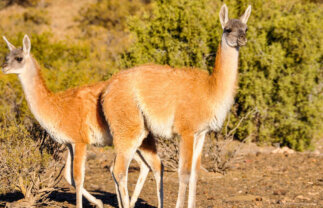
(10, 46)
(244, 18)
(26, 45)
(224, 16)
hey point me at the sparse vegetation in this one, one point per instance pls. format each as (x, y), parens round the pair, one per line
(281, 72)
(36, 16)
(31, 163)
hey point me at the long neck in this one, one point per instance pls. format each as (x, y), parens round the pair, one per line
(223, 82)
(225, 72)
(36, 92)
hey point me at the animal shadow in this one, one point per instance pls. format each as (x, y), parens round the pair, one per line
(106, 197)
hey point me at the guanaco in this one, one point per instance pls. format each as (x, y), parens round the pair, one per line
(165, 101)
(74, 117)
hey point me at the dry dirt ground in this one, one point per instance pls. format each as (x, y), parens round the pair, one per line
(260, 179)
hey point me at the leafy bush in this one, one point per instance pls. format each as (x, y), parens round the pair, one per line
(104, 24)
(178, 33)
(36, 16)
(31, 167)
(110, 14)
(280, 68)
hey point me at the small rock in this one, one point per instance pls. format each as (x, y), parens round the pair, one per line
(91, 156)
(283, 200)
(303, 198)
(284, 150)
(280, 192)
(313, 193)
(316, 152)
(218, 175)
(241, 198)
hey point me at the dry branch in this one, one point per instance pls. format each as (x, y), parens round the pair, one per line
(28, 165)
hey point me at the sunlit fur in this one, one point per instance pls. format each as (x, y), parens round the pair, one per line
(73, 117)
(169, 101)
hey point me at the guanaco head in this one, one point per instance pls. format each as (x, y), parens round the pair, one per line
(234, 30)
(15, 62)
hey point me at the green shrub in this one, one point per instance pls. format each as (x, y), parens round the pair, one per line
(178, 33)
(110, 14)
(103, 25)
(30, 162)
(280, 68)
(36, 16)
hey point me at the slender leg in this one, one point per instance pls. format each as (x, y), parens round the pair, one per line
(128, 126)
(196, 162)
(144, 170)
(114, 179)
(69, 176)
(125, 154)
(148, 159)
(185, 162)
(120, 173)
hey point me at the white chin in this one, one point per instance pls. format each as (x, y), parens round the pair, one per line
(232, 44)
(10, 72)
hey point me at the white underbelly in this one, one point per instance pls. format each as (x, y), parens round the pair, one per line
(99, 137)
(161, 128)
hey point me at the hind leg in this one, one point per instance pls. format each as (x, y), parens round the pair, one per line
(126, 123)
(120, 170)
(144, 170)
(148, 159)
(127, 137)
(69, 176)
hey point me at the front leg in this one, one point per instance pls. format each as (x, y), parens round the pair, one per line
(78, 171)
(196, 162)
(69, 175)
(185, 166)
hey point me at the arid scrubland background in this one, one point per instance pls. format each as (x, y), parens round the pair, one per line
(279, 101)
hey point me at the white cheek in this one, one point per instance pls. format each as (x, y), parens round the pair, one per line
(227, 43)
(18, 70)
(23, 69)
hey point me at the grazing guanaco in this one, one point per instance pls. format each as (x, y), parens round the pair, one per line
(74, 117)
(165, 101)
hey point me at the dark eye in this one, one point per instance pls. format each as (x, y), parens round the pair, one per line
(19, 59)
(246, 29)
(228, 30)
